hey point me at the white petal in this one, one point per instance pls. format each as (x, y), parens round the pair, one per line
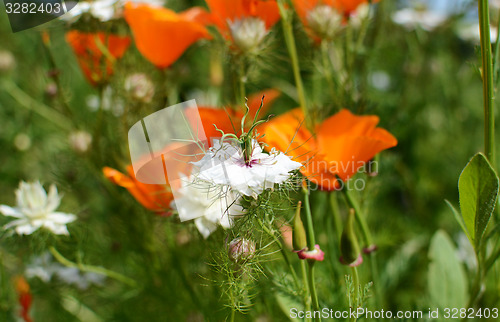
(26, 229)
(61, 217)
(11, 212)
(205, 227)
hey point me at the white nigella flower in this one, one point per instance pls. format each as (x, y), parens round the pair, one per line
(225, 164)
(208, 205)
(103, 10)
(324, 21)
(36, 209)
(247, 33)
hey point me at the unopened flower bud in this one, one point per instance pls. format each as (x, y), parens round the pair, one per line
(241, 250)
(324, 21)
(140, 87)
(349, 246)
(7, 61)
(248, 33)
(299, 232)
(51, 90)
(80, 141)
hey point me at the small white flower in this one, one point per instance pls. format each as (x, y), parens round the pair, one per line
(225, 164)
(80, 141)
(140, 87)
(423, 18)
(36, 209)
(103, 10)
(45, 268)
(247, 33)
(208, 205)
(324, 21)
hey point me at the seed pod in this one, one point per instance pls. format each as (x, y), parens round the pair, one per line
(299, 232)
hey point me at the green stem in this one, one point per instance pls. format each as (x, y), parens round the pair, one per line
(311, 244)
(282, 251)
(312, 286)
(353, 203)
(355, 282)
(477, 289)
(33, 105)
(334, 205)
(286, 21)
(307, 293)
(487, 73)
(93, 269)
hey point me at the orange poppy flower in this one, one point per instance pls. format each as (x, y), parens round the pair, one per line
(97, 52)
(343, 143)
(349, 6)
(227, 11)
(162, 35)
(24, 297)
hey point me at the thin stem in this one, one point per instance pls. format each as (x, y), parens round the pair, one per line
(311, 244)
(312, 286)
(355, 282)
(31, 104)
(487, 73)
(283, 252)
(353, 203)
(334, 206)
(286, 21)
(307, 293)
(93, 269)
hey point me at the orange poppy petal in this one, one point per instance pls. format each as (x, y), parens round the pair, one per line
(89, 54)
(160, 34)
(153, 197)
(287, 133)
(255, 100)
(231, 10)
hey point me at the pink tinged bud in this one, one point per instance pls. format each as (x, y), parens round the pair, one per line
(316, 254)
(370, 249)
(356, 263)
(241, 250)
(349, 246)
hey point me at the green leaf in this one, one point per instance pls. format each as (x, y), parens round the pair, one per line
(478, 189)
(459, 218)
(446, 278)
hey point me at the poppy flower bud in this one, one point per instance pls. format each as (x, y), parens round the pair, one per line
(7, 61)
(349, 246)
(298, 231)
(139, 87)
(248, 33)
(241, 249)
(324, 21)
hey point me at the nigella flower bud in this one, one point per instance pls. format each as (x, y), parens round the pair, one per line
(349, 246)
(80, 141)
(140, 87)
(248, 33)
(324, 21)
(241, 249)
(7, 61)
(299, 232)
